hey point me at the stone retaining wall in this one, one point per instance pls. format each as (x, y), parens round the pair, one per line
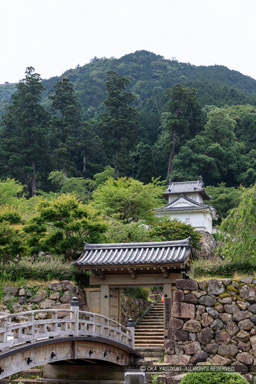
(41, 296)
(58, 295)
(132, 308)
(213, 322)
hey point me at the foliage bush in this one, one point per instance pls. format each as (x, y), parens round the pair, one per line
(171, 230)
(43, 271)
(222, 268)
(213, 378)
(137, 293)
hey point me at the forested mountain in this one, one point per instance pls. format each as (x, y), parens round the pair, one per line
(141, 114)
(149, 75)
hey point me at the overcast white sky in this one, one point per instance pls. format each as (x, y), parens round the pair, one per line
(56, 35)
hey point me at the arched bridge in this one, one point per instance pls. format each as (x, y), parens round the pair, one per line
(29, 339)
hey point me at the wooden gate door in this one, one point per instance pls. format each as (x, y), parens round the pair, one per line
(115, 304)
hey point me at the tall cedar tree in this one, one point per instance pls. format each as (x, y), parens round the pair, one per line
(186, 118)
(65, 125)
(118, 124)
(23, 135)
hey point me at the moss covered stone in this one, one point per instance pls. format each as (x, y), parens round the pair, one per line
(225, 294)
(232, 288)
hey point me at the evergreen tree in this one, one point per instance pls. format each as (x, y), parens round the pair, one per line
(23, 153)
(65, 125)
(145, 167)
(90, 150)
(214, 153)
(186, 118)
(118, 125)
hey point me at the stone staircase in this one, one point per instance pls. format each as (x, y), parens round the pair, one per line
(149, 334)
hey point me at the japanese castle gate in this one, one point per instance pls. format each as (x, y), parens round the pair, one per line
(116, 266)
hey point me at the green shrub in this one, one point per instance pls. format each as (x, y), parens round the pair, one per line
(44, 271)
(223, 268)
(138, 293)
(213, 378)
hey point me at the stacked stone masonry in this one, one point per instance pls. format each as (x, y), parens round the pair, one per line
(58, 295)
(55, 295)
(213, 322)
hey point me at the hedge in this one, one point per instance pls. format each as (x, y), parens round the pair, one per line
(225, 269)
(213, 378)
(43, 271)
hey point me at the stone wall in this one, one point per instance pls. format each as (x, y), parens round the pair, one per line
(58, 295)
(213, 322)
(40, 296)
(132, 308)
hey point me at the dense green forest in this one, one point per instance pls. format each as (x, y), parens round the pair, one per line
(86, 157)
(143, 115)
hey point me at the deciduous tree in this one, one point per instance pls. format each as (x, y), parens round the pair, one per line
(62, 226)
(238, 229)
(128, 200)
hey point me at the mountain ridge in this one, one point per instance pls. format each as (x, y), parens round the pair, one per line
(149, 75)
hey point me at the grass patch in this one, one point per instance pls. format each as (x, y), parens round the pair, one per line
(42, 271)
(218, 268)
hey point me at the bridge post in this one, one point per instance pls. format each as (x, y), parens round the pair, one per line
(130, 327)
(75, 314)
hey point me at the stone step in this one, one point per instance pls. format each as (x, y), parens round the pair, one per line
(144, 343)
(156, 310)
(152, 323)
(149, 329)
(153, 349)
(152, 340)
(155, 355)
(148, 338)
(150, 333)
(148, 344)
(147, 326)
(154, 320)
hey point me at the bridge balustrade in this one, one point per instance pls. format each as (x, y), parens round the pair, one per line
(32, 326)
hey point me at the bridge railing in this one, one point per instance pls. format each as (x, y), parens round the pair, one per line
(30, 326)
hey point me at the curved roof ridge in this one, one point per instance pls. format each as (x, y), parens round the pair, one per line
(145, 244)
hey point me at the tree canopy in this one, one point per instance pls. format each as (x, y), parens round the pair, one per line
(128, 200)
(62, 225)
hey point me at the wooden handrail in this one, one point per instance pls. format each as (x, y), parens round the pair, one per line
(19, 328)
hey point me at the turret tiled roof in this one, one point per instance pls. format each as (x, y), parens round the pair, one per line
(183, 187)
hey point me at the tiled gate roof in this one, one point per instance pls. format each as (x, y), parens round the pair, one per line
(148, 253)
